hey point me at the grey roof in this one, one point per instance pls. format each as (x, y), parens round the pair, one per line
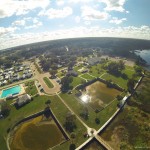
(23, 99)
(94, 60)
(72, 72)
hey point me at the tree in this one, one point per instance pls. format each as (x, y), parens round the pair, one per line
(72, 147)
(130, 85)
(119, 97)
(53, 72)
(121, 65)
(5, 109)
(70, 124)
(116, 67)
(73, 136)
(48, 102)
(66, 81)
(85, 113)
(138, 70)
(97, 120)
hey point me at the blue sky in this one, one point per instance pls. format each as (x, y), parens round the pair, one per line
(28, 21)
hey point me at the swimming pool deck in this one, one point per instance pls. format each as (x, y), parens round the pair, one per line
(20, 93)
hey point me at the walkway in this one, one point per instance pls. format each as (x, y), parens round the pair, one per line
(88, 128)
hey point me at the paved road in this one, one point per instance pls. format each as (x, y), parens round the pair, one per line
(40, 77)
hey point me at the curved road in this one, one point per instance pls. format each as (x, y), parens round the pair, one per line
(40, 77)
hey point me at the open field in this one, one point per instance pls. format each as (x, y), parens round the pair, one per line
(48, 82)
(77, 81)
(87, 76)
(77, 106)
(97, 70)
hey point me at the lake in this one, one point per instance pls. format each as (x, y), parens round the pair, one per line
(145, 54)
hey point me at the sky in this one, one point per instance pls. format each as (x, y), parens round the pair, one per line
(29, 21)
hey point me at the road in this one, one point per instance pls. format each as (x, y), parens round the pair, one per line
(39, 76)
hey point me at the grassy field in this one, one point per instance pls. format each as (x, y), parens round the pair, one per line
(77, 68)
(31, 88)
(87, 76)
(38, 104)
(97, 70)
(118, 80)
(77, 107)
(60, 74)
(48, 82)
(77, 81)
(131, 127)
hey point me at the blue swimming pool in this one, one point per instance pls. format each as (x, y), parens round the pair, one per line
(11, 91)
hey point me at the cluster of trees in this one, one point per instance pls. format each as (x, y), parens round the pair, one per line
(115, 67)
(5, 109)
(66, 83)
(84, 113)
(70, 122)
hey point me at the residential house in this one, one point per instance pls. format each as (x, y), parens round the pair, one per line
(72, 73)
(23, 99)
(94, 60)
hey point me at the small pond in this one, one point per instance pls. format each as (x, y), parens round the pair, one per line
(37, 134)
(100, 95)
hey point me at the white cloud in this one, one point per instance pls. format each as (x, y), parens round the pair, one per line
(77, 19)
(28, 23)
(5, 31)
(12, 39)
(115, 20)
(35, 23)
(56, 13)
(88, 13)
(18, 23)
(116, 5)
(79, 1)
(87, 23)
(17, 7)
(60, 2)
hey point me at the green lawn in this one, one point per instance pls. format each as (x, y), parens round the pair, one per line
(77, 107)
(37, 105)
(60, 74)
(48, 82)
(96, 70)
(76, 68)
(76, 81)
(119, 80)
(87, 76)
(31, 88)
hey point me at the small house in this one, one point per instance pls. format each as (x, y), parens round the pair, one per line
(23, 99)
(72, 73)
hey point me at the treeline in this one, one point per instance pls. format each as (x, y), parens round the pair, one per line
(77, 46)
